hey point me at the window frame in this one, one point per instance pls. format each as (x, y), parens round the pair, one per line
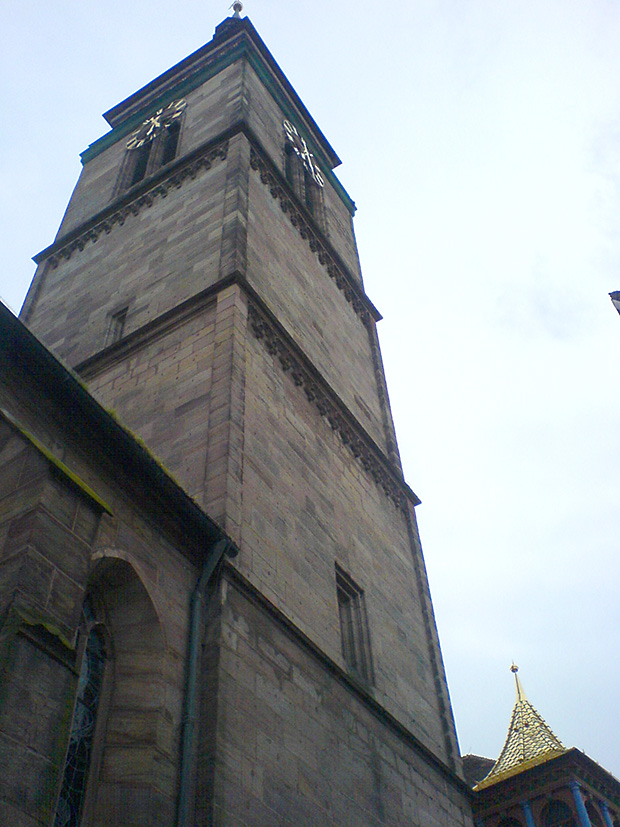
(156, 150)
(115, 330)
(88, 625)
(301, 182)
(354, 630)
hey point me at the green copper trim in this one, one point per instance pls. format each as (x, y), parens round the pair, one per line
(185, 87)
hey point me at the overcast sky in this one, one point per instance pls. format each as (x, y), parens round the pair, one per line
(480, 140)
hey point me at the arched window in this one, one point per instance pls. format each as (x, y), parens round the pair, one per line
(146, 155)
(593, 815)
(81, 738)
(558, 814)
(170, 142)
(304, 186)
(140, 160)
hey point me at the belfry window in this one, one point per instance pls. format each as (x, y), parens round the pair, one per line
(170, 142)
(303, 174)
(81, 738)
(153, 145)
(140, 163)
(354, 636)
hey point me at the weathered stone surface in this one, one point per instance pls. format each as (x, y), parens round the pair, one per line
(296, 746)
(302, 473)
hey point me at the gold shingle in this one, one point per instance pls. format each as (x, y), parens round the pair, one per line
(530, 741)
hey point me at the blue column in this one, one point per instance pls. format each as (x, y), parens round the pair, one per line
(606, 814)
(527, 812)
(584, 818)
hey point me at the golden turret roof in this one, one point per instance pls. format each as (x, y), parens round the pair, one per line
(530, 741)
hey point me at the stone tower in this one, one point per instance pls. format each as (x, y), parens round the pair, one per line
(205, 285)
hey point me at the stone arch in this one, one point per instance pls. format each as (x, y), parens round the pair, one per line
(135, 764)
(557, 813)
(596, 819)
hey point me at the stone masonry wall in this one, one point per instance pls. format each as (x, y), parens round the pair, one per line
(162, 392)
(308, 504)
(211, 110)
(165, 254)
(265, 118)
(53, 546)
(298, 746)
(307, 302)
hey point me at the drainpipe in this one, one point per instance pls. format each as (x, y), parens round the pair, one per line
(218, 550)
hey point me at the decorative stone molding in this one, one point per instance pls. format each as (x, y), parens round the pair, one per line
(131, 204)
(344, 281)
(329, 406)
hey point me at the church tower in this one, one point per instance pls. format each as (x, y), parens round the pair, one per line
(205, 286)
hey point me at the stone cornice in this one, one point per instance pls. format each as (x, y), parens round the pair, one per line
(337, 271)
(279, 344)
(132, 202)
(265, 327)
(159, 326)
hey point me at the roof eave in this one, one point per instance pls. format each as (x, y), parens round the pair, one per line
(230, 33)
(21, 352)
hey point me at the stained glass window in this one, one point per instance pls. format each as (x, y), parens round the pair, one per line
(71, 797)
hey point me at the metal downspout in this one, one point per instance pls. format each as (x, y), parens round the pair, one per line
(218, 551)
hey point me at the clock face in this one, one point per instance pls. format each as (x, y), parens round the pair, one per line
(300, 147)
(152, 126)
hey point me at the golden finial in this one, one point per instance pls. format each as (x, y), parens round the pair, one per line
(237, 8)
(520, 693)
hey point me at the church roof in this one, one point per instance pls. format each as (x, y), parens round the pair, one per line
(26, 363)
(530, 741)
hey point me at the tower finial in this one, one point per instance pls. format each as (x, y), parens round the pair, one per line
(520, 693)
(237, 8)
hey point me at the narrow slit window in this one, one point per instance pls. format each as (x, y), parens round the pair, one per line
(141, 162)
(116, 326)
(354, 634)
(170, 139)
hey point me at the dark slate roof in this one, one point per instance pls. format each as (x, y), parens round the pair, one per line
(475, 768)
